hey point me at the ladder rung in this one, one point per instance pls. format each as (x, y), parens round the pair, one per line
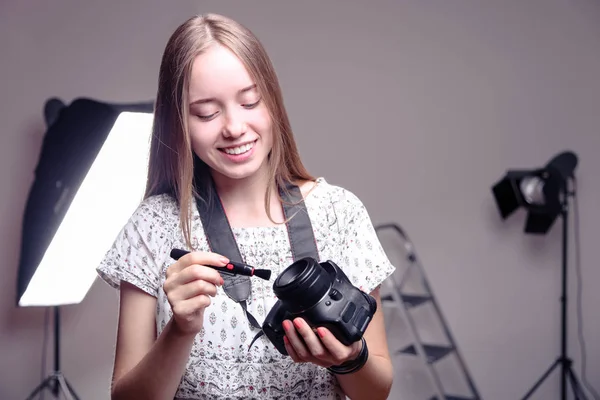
(414, 300)
(451, 397)
(387, 298)
(433, 352)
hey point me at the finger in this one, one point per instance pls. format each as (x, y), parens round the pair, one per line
(193, 289)
(199, 272)
(197, 257)
(339, 351)
(191, 307)
(172, 269)
(191, 274)
(290, 349)
(296, 341)
(204, 258)
(311, 340)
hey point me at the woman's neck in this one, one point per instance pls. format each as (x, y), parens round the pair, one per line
(244, 200)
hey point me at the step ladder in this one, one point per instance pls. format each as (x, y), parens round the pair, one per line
(396, 295)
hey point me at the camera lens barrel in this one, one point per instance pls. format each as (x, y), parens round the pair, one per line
(302, 285)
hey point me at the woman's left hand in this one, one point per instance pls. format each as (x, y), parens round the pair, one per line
(325, 350)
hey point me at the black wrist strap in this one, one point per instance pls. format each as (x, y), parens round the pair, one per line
(354, 365)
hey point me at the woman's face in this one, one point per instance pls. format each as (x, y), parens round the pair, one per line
(230, 126)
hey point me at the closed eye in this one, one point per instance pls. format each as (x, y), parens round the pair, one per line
(207, 117)
(252, 105)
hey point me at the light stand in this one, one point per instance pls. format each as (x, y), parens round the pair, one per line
(89, 179)
(564, 361)
(544, 193)
(56, 381)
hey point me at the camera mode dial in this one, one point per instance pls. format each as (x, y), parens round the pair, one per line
(335, 294)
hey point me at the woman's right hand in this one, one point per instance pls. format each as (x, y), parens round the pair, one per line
(189, 285)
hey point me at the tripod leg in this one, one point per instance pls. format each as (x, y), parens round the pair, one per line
(46, 383)
(71, 390)
(579, 394)
(64, 387)
(539, 382)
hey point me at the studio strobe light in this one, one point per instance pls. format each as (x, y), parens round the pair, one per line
(544, 193)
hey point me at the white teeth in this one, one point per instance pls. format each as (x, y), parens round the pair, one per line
(240, 149)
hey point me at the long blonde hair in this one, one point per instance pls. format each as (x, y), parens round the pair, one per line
(172, 164)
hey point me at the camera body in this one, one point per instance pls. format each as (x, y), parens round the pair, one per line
(323, 296)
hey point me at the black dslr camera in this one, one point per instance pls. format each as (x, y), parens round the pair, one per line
(323, 296)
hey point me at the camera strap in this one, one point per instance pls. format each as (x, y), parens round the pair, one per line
(222, 241)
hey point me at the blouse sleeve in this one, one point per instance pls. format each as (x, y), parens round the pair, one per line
(364, 259)
(132, 256)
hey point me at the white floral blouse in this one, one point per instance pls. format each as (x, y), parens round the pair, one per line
(220, 365)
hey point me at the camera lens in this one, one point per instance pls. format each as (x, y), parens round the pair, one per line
(302, 284)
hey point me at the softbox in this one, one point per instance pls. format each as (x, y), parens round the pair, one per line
(89, 178)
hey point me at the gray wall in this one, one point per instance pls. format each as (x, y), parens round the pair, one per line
(416, 106)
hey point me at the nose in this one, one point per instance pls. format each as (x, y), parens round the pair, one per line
(235, 125)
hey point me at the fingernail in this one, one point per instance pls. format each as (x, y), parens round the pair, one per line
(297, 324)
(287, 325)
(321, 332)
(224, 260)
(221, 281)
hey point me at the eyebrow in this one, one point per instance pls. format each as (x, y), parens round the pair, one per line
(208, 100)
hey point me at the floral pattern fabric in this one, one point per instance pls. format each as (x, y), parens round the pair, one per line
(221, 365)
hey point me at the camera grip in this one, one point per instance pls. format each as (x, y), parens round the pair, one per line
(273, 327)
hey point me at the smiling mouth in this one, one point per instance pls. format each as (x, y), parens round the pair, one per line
(239, 149)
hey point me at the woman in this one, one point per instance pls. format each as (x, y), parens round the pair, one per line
(219, 117)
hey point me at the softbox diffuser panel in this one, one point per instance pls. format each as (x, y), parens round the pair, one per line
(90, 178)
